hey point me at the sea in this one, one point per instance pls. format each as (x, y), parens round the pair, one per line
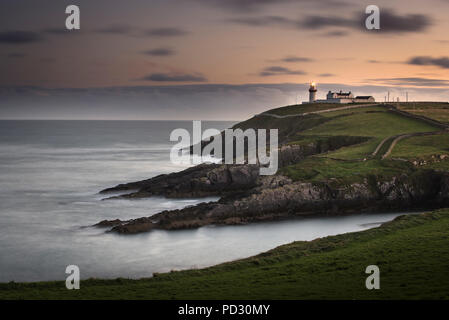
(51, 173)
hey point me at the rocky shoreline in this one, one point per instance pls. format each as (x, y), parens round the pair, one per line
(247, 197)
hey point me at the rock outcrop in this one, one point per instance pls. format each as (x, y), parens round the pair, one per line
(278, 197)
(199, 181)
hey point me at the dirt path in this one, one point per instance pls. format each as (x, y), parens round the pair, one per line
(405, 136)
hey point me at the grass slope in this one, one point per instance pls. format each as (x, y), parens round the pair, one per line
(434, 110)
(347, 163)
(412, 253)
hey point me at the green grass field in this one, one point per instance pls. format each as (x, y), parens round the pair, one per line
(321, 169)
(412, 253)
(422, 146)
(375, 124)
(303, 108)
(370, 124)
(434, 110)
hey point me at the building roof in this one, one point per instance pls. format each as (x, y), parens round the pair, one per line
(341, 93)
(363, 97)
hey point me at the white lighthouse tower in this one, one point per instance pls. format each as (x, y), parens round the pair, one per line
(312, 92)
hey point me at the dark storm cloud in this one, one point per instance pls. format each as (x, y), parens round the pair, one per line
(166, 32)
(160, 52)
(18, 37)
(278, 70)
(442, 62)
(419, 82)
(170, 77)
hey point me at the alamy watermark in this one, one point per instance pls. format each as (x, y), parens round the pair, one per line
(372, 281)
(234, 146)
(372, 22)
(73, 280)
(73, 21)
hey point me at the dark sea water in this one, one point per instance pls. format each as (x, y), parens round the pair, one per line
(50, 176)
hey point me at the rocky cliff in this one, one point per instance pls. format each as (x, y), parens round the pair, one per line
(278, 197)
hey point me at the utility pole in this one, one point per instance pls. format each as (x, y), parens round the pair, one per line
(406, 96)
(388, 96)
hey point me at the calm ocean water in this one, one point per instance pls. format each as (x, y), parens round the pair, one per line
(50, 175)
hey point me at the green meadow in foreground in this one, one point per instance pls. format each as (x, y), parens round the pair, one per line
(412, 253)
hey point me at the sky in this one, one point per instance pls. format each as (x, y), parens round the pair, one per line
(213, 59)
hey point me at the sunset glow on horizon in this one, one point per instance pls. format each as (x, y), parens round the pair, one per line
(238, 43)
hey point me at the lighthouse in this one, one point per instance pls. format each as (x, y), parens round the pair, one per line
(312, 92)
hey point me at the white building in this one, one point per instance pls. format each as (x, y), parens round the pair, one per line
(336, 97)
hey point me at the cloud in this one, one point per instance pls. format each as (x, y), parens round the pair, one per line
(326, 75)
(58, 31)
(442, 62)
(16, 55)
(278, 70)
(125, 29)
(242, 5)
(320, 22)
(160, 52)
(249, 6)
(296, 59)
(18, 37)
(390, 22)
(166, 32)
(264, 21)
(120, 29)
(336, 33)
(413, 81)
(174, 77)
